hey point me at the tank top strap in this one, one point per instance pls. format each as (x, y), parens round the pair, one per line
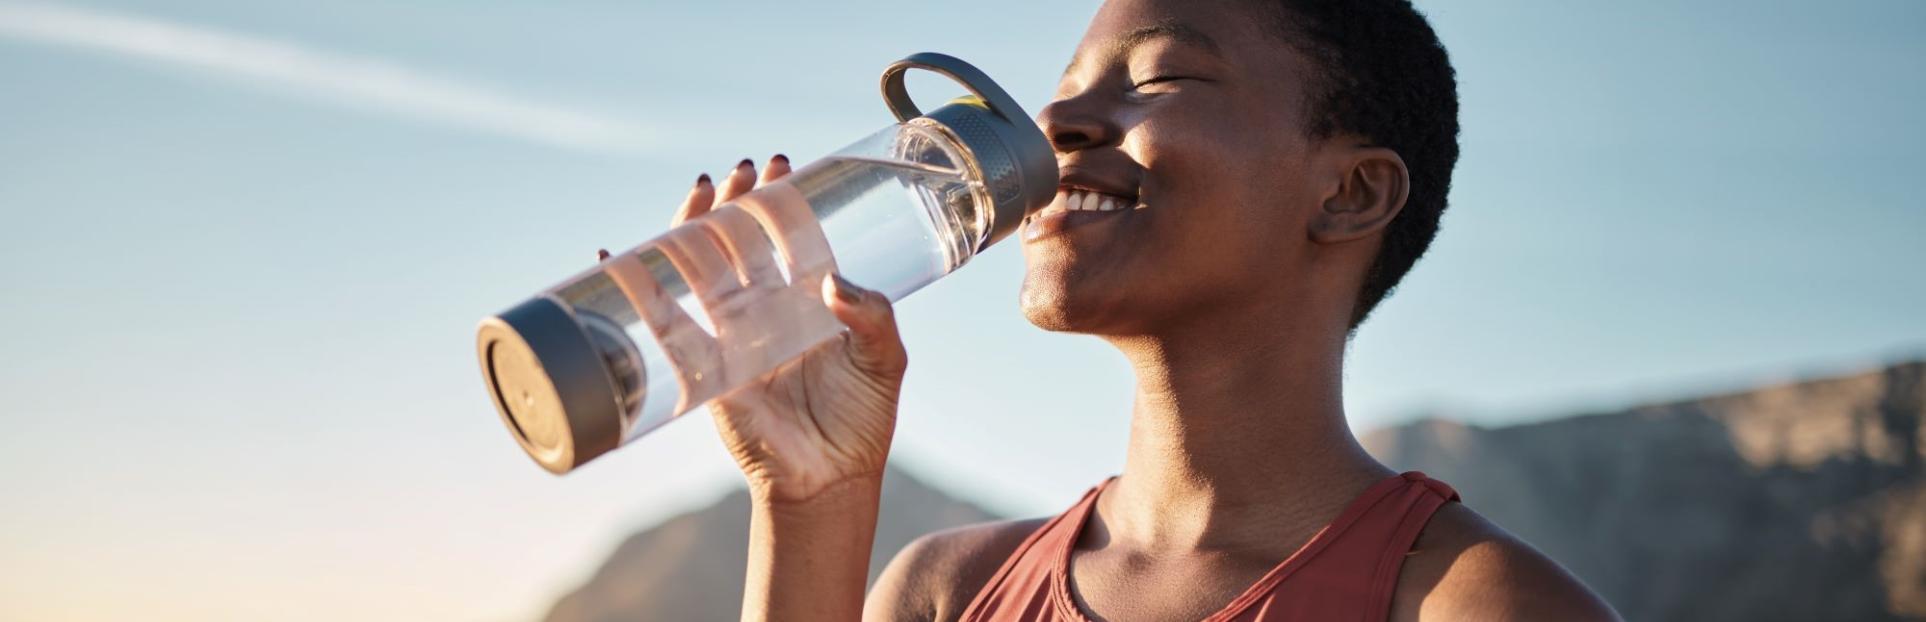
(1021, 588)
(1419, 501)
(1349, 570)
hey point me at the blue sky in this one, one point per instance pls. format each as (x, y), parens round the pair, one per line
(242, 289)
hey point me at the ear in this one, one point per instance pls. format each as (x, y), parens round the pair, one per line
(1372, 186)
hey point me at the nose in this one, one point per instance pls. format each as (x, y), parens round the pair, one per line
(1078, 123)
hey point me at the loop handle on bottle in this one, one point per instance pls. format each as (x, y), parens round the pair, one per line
(896, 94)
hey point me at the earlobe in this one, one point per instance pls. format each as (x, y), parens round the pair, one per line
(1373, 186)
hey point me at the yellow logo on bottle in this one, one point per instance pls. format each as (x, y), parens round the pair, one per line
(971, 100)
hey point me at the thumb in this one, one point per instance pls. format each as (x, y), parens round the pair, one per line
(875, 347)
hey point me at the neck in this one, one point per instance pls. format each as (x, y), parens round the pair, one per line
(1236, 435)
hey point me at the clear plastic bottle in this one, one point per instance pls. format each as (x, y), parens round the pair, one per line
(722, 299)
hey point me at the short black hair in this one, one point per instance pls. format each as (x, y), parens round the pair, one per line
(1382, 74)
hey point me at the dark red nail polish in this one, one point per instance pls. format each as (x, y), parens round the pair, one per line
(780, 158)
(846, 290)
(601, 254)
(746, 163)
(702, 179)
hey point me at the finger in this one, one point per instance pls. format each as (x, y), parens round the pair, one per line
(739, 181)
(875, 346)
(778, 167)
(700, 198)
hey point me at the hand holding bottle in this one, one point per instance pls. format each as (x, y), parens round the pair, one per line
(824, 418)
(811, 437)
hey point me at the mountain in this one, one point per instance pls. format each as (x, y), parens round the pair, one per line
(690, 567)
(1802, 501)
(1798, 501)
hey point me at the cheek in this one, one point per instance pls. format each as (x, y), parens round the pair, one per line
(1211, 185)
(1181, 144)
(1205, 152)
(1229, 207)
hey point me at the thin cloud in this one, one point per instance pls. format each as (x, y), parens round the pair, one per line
(349, 80)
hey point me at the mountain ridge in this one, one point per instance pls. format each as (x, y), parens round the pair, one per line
(690, 566)
(1795, 488)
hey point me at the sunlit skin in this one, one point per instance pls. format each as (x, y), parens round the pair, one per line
(1227, 278)
(1223, 181)
(1228, 285)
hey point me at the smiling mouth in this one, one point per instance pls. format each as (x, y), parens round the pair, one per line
(1074, 207)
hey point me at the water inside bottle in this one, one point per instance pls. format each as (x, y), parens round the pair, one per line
(721, 301)
(884, 242)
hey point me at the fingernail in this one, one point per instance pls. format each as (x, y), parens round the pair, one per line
(601, 254)
(702, 180)
(745, 165)
(780, 158)
(845, 290)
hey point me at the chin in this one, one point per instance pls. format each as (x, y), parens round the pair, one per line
(1058, 302)
(1046, 309)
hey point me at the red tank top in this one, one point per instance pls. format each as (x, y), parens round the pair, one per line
(1345, 572)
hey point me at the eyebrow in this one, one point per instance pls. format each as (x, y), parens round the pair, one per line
(1175, 31)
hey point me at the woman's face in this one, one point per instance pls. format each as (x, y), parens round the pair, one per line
(1186, 117)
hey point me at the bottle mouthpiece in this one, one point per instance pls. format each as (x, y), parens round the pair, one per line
(1018, 165)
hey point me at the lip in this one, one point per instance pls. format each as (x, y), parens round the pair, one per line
(1075, 177)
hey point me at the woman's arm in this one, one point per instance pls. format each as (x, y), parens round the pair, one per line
(809, 560)
(811, 438)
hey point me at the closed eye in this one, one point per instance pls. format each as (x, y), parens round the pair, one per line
(1158, 80)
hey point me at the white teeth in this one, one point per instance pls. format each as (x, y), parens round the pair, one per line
(1081, 200)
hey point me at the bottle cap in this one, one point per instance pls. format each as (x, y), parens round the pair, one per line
(550, 385)
(1019, 167)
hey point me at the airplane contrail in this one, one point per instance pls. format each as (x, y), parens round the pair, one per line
(343, 79)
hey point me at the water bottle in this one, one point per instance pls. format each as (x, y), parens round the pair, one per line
(722, 299)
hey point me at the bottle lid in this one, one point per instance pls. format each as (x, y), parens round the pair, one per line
(549, 384)
(1018, 165)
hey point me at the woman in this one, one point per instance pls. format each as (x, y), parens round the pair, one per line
(1262, 173)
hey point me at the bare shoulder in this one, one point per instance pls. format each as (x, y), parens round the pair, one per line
(1464, 567)
(935, 576)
